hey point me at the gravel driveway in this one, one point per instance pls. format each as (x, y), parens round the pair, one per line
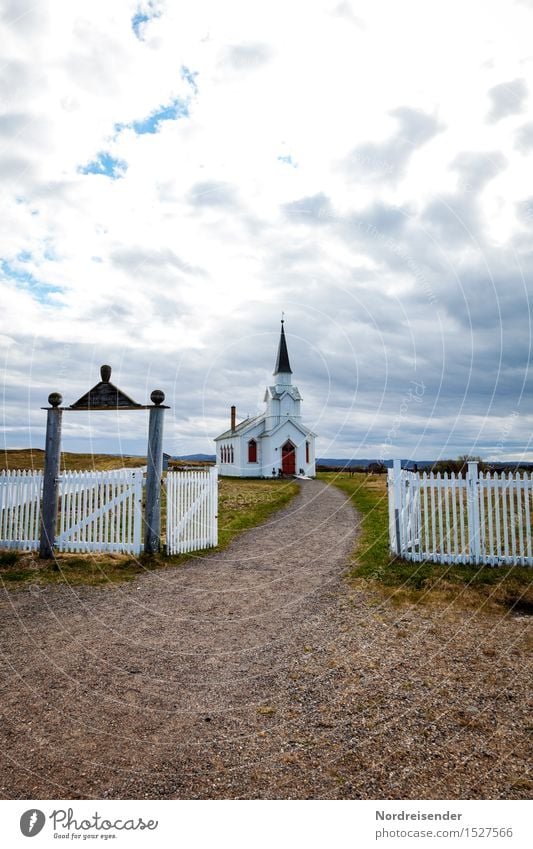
(258, 672)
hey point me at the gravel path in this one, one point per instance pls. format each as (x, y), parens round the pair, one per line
(258, 672)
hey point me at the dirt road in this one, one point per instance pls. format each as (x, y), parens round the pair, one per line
(258, 673)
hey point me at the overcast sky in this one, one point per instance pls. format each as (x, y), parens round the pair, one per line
(174, 175)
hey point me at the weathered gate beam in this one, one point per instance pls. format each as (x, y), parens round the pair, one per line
(154, 455)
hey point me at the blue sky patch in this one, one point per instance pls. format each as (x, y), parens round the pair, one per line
(148, 13)
(137, 21)
(25, 280)
(176, 109)
(288, 160)
(190, 77)
(105, 164)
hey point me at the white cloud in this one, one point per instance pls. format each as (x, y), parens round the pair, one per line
(333, 160)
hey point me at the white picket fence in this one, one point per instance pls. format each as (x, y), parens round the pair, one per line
(192, 510)
(482, 518)
(20, 509)
(101, 511)
(98, 511)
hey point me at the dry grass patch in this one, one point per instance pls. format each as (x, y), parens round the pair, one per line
(483, 588)
(33, 459)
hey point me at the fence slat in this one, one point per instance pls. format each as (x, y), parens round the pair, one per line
(527, 491)
(489, 515)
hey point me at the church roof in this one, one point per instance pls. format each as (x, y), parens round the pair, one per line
(240, 428)
(282, 363)
(251, 423)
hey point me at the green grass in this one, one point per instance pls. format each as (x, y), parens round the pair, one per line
(487, 587)
(242, 504)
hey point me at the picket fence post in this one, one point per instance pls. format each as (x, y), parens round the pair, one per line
(472, 511)
(394, 514)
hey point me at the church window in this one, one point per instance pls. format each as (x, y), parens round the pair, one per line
(252, 451)
(307, 452)
(231, 453)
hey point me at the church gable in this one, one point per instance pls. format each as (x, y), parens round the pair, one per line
(284, 425)
(277, 393)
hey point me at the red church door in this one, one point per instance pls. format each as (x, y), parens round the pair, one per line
(288, 458)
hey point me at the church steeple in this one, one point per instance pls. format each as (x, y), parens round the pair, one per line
(283, 365)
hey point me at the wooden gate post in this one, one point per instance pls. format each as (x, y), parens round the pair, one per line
(52, 466)
(152, 510)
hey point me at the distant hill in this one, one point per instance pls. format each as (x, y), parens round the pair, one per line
(198, 458)
(409, 464)
(332, 461)
(358, 463)
(322, 461)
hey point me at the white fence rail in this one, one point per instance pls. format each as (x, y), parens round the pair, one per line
(483, 518)
(192, 502)
(20, 509)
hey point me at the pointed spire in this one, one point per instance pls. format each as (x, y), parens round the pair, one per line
(282, 363)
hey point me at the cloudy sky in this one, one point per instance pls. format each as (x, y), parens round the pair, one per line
(174, 175)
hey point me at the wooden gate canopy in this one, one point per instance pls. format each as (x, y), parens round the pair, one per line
(106, 396)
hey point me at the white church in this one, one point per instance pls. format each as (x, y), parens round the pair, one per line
(274, 443)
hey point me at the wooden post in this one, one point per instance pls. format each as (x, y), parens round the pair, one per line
(152, 510)
(52, 465)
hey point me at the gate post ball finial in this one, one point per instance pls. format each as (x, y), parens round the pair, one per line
(157, 397)
(105, 373)
(54, 399)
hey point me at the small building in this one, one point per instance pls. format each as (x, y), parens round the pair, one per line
(274, 443)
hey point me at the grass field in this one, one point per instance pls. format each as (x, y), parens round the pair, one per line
(242, 504)
(487, 587)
